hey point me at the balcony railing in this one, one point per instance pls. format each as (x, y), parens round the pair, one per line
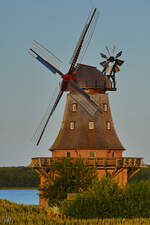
(123, 162)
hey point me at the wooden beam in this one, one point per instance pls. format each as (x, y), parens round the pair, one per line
(117, 171)
(42, 172)
(132, 172)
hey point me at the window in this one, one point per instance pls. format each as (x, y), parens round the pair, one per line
(105, 107)
(74, 107)
(108, 125)
(92, 154)
(91, 125)
(72, 125)
(68, 154)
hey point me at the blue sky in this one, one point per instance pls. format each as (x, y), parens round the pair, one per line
(26, 86)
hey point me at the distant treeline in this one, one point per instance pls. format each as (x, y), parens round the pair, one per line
(18, 177)
(27, 177)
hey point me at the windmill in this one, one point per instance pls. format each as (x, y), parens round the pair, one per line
(87, 129)
(111, 63)
(68, 83)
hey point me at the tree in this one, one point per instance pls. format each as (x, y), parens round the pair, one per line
(143, 174)
(137, 199)
(18, 177)
(67, 175)
(102, 200)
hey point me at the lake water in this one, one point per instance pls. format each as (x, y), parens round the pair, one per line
(28, 197)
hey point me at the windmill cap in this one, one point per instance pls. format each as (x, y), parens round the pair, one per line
(89, 77)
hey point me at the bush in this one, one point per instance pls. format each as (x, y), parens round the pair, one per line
(105, 199)
(101, 200)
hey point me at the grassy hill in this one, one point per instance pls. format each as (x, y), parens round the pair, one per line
(12, 213)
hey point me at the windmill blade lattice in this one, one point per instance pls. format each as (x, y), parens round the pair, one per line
(45, 57)
(84, 40)
(51, 108)
(88, 36)
(78, 44)
(46, 54)
(83, 99)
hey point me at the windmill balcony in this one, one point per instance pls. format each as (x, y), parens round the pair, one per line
(100, 163)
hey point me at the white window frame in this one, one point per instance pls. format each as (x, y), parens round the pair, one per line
(108, 125)
(72, 125)
(74, 107)
(91, 125)
(105, 107)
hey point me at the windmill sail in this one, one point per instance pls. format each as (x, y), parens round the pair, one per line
(88, 36)
(84, 40)
(83, 99)
(49, 60)
(107, 49)
(46, 54)
(51, 108)
(113, 49)
(78, 44)
(46, 57)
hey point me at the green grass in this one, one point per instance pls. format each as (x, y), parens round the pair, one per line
(20, 214)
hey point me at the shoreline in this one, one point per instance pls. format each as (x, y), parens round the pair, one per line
(18, 188)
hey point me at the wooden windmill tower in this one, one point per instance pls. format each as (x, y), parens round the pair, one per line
(87, 128)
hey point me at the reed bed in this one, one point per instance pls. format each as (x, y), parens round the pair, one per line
(20, 214)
